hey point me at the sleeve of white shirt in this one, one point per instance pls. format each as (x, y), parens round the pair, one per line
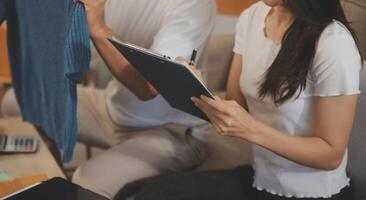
(337, 66)
(188, 26)
(240, 34)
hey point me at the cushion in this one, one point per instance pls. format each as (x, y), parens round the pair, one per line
(220, 54)
(356, 14)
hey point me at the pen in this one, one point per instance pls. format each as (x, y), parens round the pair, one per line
(193, 57)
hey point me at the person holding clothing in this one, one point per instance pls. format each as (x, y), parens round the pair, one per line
(144, 134)
(292, 93)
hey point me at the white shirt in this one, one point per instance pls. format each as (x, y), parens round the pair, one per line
(173, 28)
(335, 71)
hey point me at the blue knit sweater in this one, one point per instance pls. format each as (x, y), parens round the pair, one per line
(49, 48)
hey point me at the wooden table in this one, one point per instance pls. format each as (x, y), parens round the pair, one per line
(20, 165)
(4, 62)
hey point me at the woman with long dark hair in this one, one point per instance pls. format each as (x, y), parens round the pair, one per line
(292, 93)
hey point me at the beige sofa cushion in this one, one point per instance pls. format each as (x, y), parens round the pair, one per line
(226, 152)
(356, 14)
(220, 54)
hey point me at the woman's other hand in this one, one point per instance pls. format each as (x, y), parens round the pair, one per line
(228, 117)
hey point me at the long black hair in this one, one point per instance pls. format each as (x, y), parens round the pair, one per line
(288, 73)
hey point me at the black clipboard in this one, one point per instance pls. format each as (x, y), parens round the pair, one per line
(175, 81)
(54, 189)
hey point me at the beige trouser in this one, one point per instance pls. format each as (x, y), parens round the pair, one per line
(133, 154)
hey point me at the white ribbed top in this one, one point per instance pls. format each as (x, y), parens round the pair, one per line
(335, 71)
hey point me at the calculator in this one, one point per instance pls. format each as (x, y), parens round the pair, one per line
(18, 144)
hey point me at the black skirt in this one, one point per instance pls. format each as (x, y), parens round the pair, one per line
(234, 184)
